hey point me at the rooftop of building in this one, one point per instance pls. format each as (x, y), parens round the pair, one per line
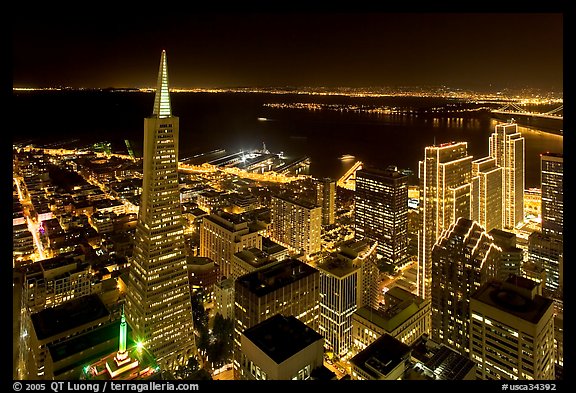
(338, 267)
(271, 278)
(353, 248)
(296, 201)
(82, 342)
(513, 299)
(495, 232)
(434, 361)
(227, 283)
(390, 172)
(199, 261)
(551, 154)
(281, 337)
(392, 316)
(382, 356)
(68, 316)
(254, 257)
(271, 247)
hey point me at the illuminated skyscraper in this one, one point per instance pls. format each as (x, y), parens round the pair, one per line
(507, 147)
(381, 211)
(552, 171)
(445, 194)
(339, 293)
(158, 306)
(326, 198)
(463, 258)
(489, 198)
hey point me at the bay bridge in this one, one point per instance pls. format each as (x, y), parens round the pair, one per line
(513, 109)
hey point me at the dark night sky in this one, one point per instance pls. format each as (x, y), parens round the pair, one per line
(467, 50)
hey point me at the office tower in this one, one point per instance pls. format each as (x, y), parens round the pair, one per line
(158, 307)
(507, 147)
(224, 234)
(281, 348)
(339, 287)
(445, 184)
(552, 170)
(489, 198)
(363, 254)
(289, 288)
(512, 331)
(326, 198)
(296, 224)
(511, 257)
(464, 258)
(387, 358)
(381, 211)
(547, 251)
(404, 316)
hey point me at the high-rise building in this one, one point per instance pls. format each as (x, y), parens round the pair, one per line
(547, 251)
(289, 288)
(512, 331)
(507, 147)
(224, 234)
(339, 287)
(296, 224)
(511, 257)
(363, 254)
(158, 306)
(445, 194)
(489, 198)
(381, 211)
(463, 258)
(552, 185)
(326, 198)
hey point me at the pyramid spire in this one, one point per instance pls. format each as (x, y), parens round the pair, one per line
(162, 100)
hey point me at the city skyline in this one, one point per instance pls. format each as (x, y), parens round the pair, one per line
(146, 232)
(355, 49)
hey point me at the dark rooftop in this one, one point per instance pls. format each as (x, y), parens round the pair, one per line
(447, 364)
(70, 315)
(269, 279)
(507, 297)
(109, 331)
(281, 337)
(382, 356)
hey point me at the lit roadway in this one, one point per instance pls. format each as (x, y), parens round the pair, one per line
(33, 226)
(389, 282)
